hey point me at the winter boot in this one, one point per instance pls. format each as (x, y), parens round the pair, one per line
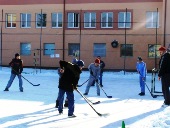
(6, 89)
(66, 103)
(57, 104)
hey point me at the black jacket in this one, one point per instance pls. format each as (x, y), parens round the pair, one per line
(70, 77)
(17, 66)
(102, 65)
(164, 65)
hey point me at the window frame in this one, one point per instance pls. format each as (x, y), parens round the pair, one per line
(56, 20)
(50, 51)
(99, 51)
(12, 21)
(73, 51)
(107, 19)
(44, 21)
(125, 24)
(90, 19)
(27, 21)
(151, 50)
(148, 18)
(75, 20)
(29, 49)
(122, 51)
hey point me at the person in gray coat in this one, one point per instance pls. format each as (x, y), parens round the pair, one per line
(94, 69)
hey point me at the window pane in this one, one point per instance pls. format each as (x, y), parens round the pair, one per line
(124, 19)
(121, 20)
(70, 20)
(11, 20)
(152, 19)
(99, 49)
(49, 48)
(86, 19)
(153, 50)
(93, 19)
(56, 19)
(25, 48)
(41, 20)
(73, 49)
(126, 50)
(25, 20)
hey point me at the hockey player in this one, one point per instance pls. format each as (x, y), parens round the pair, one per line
(94, 69)
(67, 83)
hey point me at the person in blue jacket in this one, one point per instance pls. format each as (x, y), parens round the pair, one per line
(141, 69)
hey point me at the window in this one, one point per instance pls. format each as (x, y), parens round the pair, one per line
(49, 48)
(124, 20)
(152, 19)
(153, 50)
(57, 20)
(99, 49)
(41, 20)
(11, 20)
(73, 20)
(25, 20)
(126, 50)
(73, 49)
(89, 19)
(25, 48)
(106, 20)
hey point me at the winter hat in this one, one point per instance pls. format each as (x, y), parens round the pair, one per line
(139, 58)
(162, 48)
(74, 61)
(97, 61)
(80, 63)
(16, 55)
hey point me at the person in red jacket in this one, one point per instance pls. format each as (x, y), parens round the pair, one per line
(16, 69)
(68, 83)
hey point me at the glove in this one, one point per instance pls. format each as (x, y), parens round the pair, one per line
(75, 87)
(91, 72)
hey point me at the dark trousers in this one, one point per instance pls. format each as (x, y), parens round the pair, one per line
(70, 97)
(165, 79)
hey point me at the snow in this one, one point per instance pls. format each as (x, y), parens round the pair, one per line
(35, 107)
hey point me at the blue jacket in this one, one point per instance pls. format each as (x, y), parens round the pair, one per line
(141, 68)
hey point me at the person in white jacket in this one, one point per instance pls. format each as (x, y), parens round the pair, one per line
(94, 69)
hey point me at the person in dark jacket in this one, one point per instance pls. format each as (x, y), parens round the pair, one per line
(164, 75)
(102, 65)
(74, 61)
(16, 69)
(68, 83)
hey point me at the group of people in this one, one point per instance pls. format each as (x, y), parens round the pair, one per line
(163, 74)
(69, 75)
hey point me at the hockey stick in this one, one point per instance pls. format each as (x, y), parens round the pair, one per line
(103, 90)
(99, 114)
(26, 79)
(154, 96)
(30, 82)
(91, 101)
(82, 83)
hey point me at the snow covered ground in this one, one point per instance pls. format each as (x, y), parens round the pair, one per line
(34, 108)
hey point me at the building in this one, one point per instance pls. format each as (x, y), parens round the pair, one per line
(44, 32)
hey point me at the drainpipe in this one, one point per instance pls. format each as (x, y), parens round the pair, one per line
(64, 4)
(165, 23)
(1, 41)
